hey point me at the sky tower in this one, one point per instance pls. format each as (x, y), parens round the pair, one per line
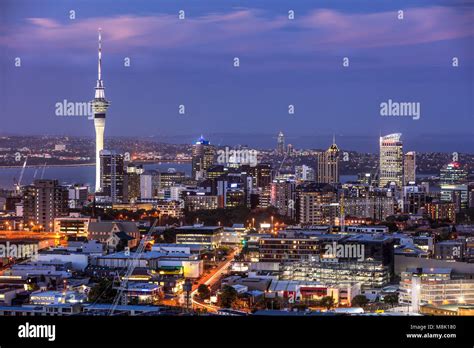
(99, 106)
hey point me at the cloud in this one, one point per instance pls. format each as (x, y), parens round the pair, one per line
(244, 31)
(360, 30)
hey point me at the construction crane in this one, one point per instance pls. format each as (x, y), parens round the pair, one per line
(18, 183)
(44, 168)
(119, 297)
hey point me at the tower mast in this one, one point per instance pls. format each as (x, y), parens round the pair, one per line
(99, 106)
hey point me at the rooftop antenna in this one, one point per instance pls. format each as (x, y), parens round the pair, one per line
(99, 75)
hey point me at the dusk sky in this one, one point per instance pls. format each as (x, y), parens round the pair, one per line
(282, 62)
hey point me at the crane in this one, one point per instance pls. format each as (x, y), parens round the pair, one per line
(18, 184)
(130, 268)
(44, 168)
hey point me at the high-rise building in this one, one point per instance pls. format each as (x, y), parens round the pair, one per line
(373, 206)
(328, 165)
(264, 197)
(112, 174)
(457, 194)
(44, 201)
(171, 178)
(317, 204)
(261, 174)
(203, 158)
(391, 160)
(149, 184)
(131, 185)
(304, 173)
(283, 197)
(452, 174)
(99, 106)
(441, 211)
(281, 143)
(409, 168)
(414, 198)
(290, 150)
(77, 196)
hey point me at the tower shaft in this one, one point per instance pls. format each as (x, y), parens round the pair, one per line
(100, 106)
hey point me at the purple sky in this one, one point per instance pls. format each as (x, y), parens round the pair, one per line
(283, 62)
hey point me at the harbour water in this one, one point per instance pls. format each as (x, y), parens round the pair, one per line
(71, 174)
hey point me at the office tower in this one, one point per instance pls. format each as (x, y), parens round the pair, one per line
(414, 198)
(328, 165)
(391, 160)
(149, 184)
(42, 203)
(283, 197)
(171, 178)
(112, 175)
(304, 173)
(457, 194)
(261, 174)
(264, 197)
(375, 206)
(440, 211)
(409, 168)
(131, 185)
(290, 150)
(300, 258)
(281, 143)
(235, 197)
(317, 204)
(99, 106)
(454, 188)
(194, 202)
(452, 174)
(203, 158)
(77, 195)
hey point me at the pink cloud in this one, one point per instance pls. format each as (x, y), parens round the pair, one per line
(246, 30)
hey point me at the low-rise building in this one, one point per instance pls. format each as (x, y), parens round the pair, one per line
(434, 286)
(110, 232)
(56, 297)
(199, 234)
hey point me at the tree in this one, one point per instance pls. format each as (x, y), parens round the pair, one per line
(327, 301)
(228, 297)
(359, 301)
(203, 291)
(391, 299)
(102, 292)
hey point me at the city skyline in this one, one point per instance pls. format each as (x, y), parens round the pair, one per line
(308, 161)
(167, 60)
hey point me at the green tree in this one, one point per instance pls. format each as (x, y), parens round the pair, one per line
(228, 297)
(327, 301)
(359, 301)
(391, 299)
(203, 291)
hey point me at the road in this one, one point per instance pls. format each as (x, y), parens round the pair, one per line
(210, 280)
